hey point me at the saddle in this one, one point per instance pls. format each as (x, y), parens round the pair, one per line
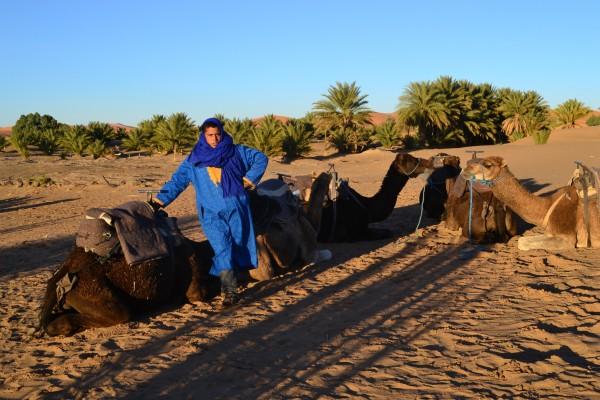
(273, 202)
(133, 228)
(586, 181)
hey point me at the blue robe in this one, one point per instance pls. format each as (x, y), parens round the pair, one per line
(226, 221)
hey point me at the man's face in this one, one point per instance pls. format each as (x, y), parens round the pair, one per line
(213, 136)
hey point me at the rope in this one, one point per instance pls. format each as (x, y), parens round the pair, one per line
(422, 205)
(470, 205)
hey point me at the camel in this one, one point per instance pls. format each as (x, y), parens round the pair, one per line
(350, 218)
(563, 214)
(109, 291)
(435, 193)
(491, 220)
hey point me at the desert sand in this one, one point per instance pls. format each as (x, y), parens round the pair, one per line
(422, 315)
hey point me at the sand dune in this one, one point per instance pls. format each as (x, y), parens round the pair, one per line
(423, 315)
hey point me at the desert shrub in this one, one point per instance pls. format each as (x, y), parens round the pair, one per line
(541, 136)
(3, 142)
(295, 139)
(388, 134)
(76, 139)
(594, 120)
(40, 180)
(410, 141)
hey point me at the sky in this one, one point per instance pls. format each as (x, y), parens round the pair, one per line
(124, 61)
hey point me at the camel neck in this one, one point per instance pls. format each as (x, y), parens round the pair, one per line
(528, 206)
(382, 203)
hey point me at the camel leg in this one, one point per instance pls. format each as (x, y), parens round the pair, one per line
(101, 311)
(544, 242)
(264, 271)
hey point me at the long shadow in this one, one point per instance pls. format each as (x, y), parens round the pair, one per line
(22, 207)
(300, 342)
(35, 225)
(34, 255)
(11, 202)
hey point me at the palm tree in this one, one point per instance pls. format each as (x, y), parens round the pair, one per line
(97, 148)
(49, 141)
(20, 142)
(295, 139)
(240, 130)
(136, 140)
(76, 139)
(421, 106)
(343, 108)
(101, 131)
(515, 106)
(221, 117)
(569, 111)
(177, 131)
(266, 137)
(388, 134)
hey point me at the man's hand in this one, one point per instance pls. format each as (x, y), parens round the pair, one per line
(155, 204)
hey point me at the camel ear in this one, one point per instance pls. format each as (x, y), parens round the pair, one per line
(106, 218)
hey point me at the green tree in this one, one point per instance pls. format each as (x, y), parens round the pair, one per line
(295, 139)
(29, 127)
(569, 111)
(76, 139)
(343, 107)
(175, 133)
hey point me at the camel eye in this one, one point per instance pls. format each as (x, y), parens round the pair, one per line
(487, 165)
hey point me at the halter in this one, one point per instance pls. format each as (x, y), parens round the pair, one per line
(414, 169)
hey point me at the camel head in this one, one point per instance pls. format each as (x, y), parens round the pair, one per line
(487, 168)
(445, 160)
(412, 166)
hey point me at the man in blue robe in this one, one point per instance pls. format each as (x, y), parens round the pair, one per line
(220, 170)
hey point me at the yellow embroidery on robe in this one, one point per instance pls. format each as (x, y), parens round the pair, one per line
(214, 173)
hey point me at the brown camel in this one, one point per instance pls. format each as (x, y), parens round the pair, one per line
(350, 218)
(109, 292)
(491, 220)
(561, 214)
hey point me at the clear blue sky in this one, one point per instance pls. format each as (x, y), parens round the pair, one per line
(123, 61)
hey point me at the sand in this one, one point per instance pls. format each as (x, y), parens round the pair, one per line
(421, 315)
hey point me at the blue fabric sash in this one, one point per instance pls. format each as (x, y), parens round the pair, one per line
(224, 156)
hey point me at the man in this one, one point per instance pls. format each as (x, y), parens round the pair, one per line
(219, 170)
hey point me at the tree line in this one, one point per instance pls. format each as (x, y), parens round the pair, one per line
(443, 112)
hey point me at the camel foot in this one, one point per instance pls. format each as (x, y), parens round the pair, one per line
(543, 242)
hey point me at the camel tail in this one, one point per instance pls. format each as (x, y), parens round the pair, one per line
(318, 192)
(50, 298)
